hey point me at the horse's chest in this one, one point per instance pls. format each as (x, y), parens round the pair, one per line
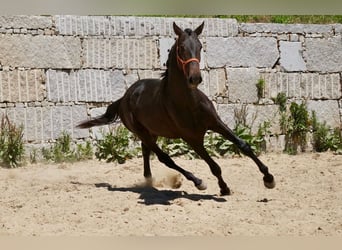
(189, 119)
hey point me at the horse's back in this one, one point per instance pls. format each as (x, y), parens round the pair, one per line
(143, 93)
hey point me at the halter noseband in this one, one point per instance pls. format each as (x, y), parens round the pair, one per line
(184, 63)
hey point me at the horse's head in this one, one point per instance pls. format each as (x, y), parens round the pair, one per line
(188, 50)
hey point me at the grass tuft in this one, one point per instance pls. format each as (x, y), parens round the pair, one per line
(11, 143)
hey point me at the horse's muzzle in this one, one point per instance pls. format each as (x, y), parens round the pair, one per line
(195, 79)
(195, 76)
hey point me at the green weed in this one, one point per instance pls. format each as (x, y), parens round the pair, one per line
(84, 152)
(115, 145)
(33, 155)
(297, 128)
(294, 124)
(325, 138)
(176, 147)
(63, 151)
(281, 100)
(11, 143)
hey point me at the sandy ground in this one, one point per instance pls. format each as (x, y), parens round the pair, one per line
(97, 198)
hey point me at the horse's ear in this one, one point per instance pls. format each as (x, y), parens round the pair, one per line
(199, 29)
(176, 29)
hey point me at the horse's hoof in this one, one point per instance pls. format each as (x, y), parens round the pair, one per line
(201, 186)
(225, 192)
(269, 181)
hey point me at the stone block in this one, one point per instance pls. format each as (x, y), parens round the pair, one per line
(326, 111)
(214, 83)
(302, 85)
(242, 52)
(131, 76)
(165, 45)
(46, 123)
(254, 115)
(258, 114)
(321, 86)
(324, 55)
(139, 26)
(83, 25)
(88, 85)
(97, 132)
(40, 51)
(294, 38)
(204, 86)
(148, 74)
(285, 28)
(338, 28)
(226, 113)
(217, 83)
(291, 58)
(25, 22)
(242, 85)
(213, 27)
(275, 144)
(121, 53)
(22, 85)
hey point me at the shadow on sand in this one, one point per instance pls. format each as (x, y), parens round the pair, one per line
(153, 196)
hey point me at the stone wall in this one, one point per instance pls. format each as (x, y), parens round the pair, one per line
(58, 70)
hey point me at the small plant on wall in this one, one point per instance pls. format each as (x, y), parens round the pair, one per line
(260, 88)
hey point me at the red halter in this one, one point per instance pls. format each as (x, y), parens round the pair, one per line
(184, 63)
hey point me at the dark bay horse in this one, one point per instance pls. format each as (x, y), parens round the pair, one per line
(174, 107)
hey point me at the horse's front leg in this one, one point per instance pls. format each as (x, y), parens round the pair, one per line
(245, 148)
(214, 167)
(147, 168)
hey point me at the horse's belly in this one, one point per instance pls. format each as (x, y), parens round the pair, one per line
(158, 125)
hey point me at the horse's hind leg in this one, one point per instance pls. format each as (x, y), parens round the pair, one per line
(150, 144)
(245, 148)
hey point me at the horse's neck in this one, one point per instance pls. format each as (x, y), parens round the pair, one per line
(178, 92)
(176, 85)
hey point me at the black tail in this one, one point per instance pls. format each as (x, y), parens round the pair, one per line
(110, 116)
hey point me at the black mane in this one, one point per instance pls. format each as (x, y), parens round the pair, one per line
(165, 74)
